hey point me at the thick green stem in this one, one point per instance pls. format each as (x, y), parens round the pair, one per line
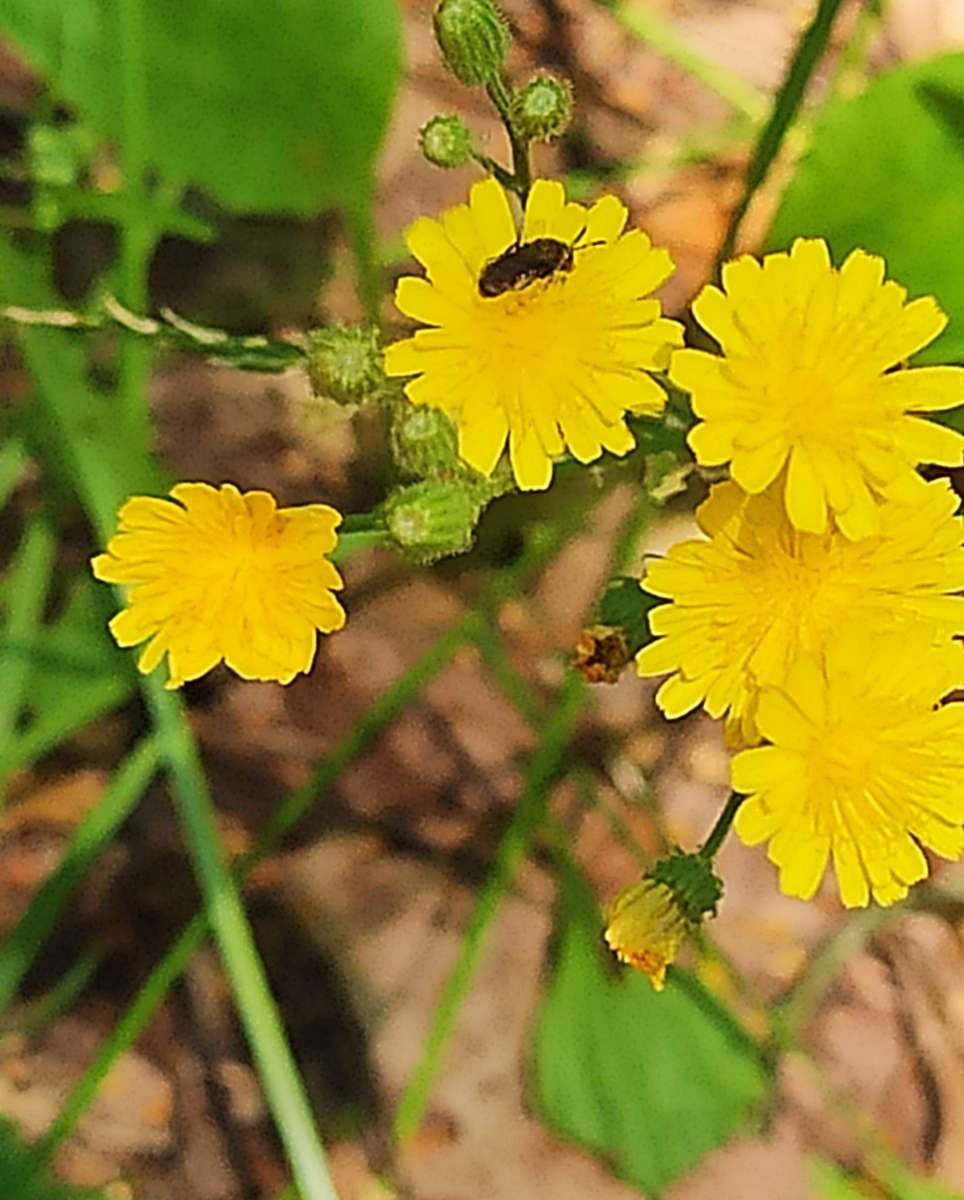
(501, 97)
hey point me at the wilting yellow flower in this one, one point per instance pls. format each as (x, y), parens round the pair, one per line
(227, 575)
(543, 338)
(803, 389)
(758, 594)
(862, 766)
(645, 926)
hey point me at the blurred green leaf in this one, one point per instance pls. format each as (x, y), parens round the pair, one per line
(651, 1081)
(19, 1176)
(885, 171)
(269, 108)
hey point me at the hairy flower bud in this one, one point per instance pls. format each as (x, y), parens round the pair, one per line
(473, 38)
(542, 109)
(647, 922)
(424, 443)
(345, 364)
(446, 141)
(433, 519)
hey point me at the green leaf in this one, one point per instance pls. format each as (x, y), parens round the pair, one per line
(19, 1176)
(650, 1080)
(885, 172)
(269, 108)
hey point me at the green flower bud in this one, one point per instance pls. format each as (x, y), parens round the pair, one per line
(433, 519)
(345, 364)
(424, 443)
(647, 922)
(473, 38)
(446, 142)
(542, 109)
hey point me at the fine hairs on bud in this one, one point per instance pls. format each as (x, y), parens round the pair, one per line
(542, 109)
(345, 363)
(473, 39)
(446, 142)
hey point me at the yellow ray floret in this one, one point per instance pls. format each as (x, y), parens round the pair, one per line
(803, 390)
(863, 766)
(757, 594)
(554, 361)
(644, 928)
(218, 574)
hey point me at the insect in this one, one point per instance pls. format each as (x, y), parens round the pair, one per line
(523, 263)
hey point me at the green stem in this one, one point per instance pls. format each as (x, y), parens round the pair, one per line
(21, 946)
(277, 1070)
(721, 828)
(135, 237)
(501, 96)
(512, 849)
(352, 543)
(809, 51)
(63, 995)
(647, 26)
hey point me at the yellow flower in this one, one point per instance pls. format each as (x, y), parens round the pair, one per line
(861, 765)
(645, 926)
(223, 575)
(758, 594)
(803, 390)
(556, 359)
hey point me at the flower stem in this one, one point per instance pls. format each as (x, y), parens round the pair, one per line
(501, 97)
(721, 828)
(809, 51)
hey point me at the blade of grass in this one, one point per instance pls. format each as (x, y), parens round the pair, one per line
(20, 947)
(30, 577)
(542, 545)
(283, 1087)
(789, 98)
(63, 995)
(512, 849)
(654, 31)
(13, 459)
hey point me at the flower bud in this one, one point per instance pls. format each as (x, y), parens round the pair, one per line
(601, 653)
(345, 364)
(433, 519)
(647, 922)
(473, 38)
(542, 109)
(424, 443)
(446, 142)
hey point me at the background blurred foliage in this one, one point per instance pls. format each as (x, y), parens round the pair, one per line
(280, 109)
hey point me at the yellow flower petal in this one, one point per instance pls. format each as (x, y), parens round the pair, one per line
(559, 357)
(223, 575)
(804, 379)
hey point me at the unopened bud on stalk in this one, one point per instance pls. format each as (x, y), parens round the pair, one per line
(434, 519)
(446, 142)
(424, 443)
(542, 109)
(647, 922)
(473, 38)
(345, 364)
